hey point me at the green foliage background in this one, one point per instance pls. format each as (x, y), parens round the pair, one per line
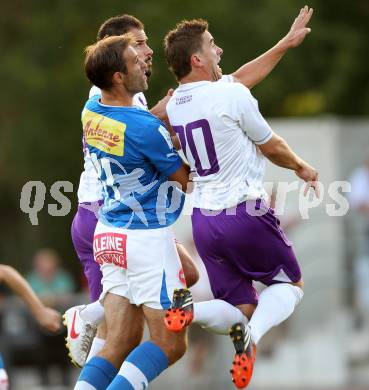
(43, 85)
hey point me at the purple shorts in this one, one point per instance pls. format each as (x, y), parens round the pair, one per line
(83, 228)
(239, 247)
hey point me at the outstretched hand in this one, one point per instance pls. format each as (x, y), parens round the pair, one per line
(49, 319)
(298, 29)
(310, 176)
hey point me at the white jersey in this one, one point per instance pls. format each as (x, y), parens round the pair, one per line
(219, 125)
(90, 188)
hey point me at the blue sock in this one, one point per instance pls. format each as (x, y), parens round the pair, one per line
(98, 373)
(1, 361)
(142, 365)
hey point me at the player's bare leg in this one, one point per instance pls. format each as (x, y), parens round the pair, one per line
(102, 368)
(120, 315)
(173, 344)
(149, 359)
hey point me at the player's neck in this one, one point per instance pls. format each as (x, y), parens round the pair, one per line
(194, 77)
(116, 98)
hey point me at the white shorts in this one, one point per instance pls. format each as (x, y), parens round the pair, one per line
(139, 264)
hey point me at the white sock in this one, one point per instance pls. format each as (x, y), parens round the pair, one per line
(93, 313)
(96, 347)
(217, 316)
(276, 303)
(82, 385)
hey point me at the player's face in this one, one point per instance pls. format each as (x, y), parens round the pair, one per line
(211, 54)
(135, 80)
(144, 51)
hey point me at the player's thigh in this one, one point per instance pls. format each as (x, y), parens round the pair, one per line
(173, 344)
(124, 324)
(254, 241)
(190, 271)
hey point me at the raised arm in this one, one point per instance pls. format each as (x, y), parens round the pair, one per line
(256, 70)
(46, 317)
(279, 153)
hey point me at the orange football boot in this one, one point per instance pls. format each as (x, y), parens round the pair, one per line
(243, 362)
(180, 313)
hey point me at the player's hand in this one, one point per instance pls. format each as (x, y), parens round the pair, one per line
(310, 176)
(49, 319)
(298, 29)
(160, 109)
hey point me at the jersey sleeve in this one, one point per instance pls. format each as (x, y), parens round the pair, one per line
(158, 148)
(246, 112)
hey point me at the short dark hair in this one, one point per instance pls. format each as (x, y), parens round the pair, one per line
(104, 58)
(181, 42)
(118, 25)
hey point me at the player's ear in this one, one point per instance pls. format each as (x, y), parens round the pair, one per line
(117, 78)
(196, 60)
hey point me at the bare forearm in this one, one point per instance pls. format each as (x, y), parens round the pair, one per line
(20, 286)
(253, 72)
(283, 156)
(157, 111)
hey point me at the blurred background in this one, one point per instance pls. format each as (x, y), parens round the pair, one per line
(317, 98)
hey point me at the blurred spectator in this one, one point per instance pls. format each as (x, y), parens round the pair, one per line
(55, 287)
(359, 196)
(359, 200)
(50, 282)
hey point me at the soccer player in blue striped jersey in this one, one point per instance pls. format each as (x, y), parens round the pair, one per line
(133, 242)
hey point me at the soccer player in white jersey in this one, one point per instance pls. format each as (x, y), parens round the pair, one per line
(226, 141)
(81, 321)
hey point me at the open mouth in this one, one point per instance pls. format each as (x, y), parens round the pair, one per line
(149, 65)
(219, 68)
